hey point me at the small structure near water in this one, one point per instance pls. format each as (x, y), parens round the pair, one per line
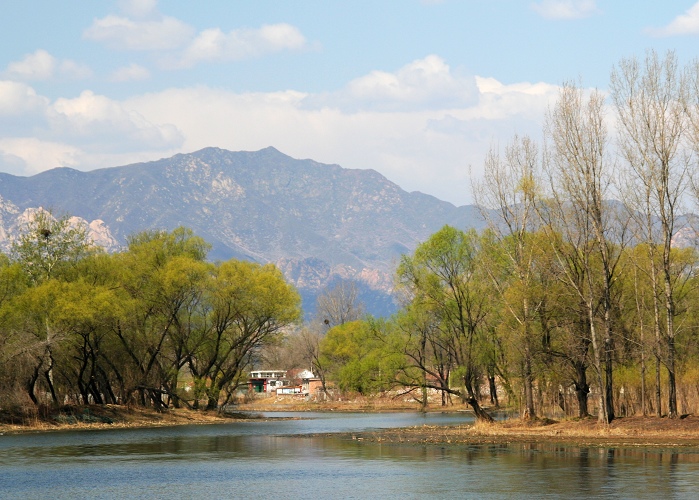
(283, 382)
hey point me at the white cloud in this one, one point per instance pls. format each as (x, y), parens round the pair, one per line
(424, 83)
(133, 72)
(21, 109)
(215, 45)
(425, 149)
(41, 65)
(73, 70)
(565, 9)
(684, 24)
(37, 66)
(165, 33)
(31, 155)
(90, 123)
(98, 122)
(177, 43)
(138, 8)
(422, 137)
(19, 99)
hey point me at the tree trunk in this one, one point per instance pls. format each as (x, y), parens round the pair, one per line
(582, 390)
(670, 325)
(493, 391)
(31, 385)
(529, 411)
(480, 413)
(608, 384)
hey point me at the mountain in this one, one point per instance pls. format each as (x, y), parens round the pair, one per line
(317, 222)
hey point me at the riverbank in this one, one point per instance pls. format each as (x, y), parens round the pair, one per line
(103, 417)
(634, 431)
(628, 431)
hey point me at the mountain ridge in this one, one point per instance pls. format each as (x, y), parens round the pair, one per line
(257, 205)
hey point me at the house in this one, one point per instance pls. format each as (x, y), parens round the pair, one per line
(280, 382)
(310, 384)
(267, 381)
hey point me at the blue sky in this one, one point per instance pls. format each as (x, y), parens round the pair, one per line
(417, 90)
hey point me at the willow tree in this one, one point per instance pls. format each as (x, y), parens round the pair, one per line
(12, 344)
(650, 98)
(248, 306)
(163, 275)
(48, 246)
(445, 276)
(426, 348)
(48, 249)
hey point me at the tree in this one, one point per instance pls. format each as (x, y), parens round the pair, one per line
(443, 276)
(339, 304)
(357, 356)
(47, 249)
(507, 198)
(249, 305)
(14, 355)
(163, 275)
(48, 245)
(592, 238)
(651, 103)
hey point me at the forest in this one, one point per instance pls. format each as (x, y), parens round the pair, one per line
(581, 294)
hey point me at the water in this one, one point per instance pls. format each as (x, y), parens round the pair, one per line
(288, 459)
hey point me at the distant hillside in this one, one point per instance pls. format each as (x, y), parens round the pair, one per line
(317, 222)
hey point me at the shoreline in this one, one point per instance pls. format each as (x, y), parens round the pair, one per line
(626, 432)
(635, 431)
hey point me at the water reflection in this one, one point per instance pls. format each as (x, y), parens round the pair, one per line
(259, 459)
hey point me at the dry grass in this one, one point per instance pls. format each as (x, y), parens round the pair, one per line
(629, 431)
(100, 417)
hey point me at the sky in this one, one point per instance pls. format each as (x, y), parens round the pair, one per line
(418, 90)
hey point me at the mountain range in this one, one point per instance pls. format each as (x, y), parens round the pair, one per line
(317, 222)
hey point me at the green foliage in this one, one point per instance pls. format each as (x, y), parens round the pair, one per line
(359, 357)
(93, 327)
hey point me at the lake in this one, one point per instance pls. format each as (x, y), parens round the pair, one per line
(286, 458)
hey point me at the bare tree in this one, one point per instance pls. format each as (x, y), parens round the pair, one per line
(651, 103)
(592, 238)
(340, 304)
(309, 337)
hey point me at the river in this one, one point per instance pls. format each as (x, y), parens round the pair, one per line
(285, 458)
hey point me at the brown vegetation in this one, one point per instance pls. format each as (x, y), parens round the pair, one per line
(44, 418)
(622, 432)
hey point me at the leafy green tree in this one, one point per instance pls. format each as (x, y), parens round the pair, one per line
(14, 357)
(429, 359)
(48, 250)
(359, 356)
(249, 305)
(164, 276)
(443, 275)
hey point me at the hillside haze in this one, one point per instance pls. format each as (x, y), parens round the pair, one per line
(317, 222)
